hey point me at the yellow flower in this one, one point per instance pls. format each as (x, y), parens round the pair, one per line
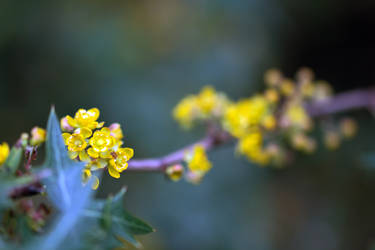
(38, 136)
(4, 152)
(119, 162)
(298, 116)
(175, 172)
(269, 122)
(197, 160)
(243, 116)
(116, 131)
(101, 144)
(85, 119)
(273, 77)
(287, 87)
(206, 100)
(183, 112)
(76, 142)
(272, 95)
(251, 146)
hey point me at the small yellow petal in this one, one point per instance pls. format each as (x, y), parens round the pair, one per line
(106, 130)
(94, 113)
(101, 124)
(83, 156)
(112, 172)
(66, 136)
(72, 122)
(92, 153)
(85, 132)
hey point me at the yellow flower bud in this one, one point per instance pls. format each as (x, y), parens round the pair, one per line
(4, 152)
(175, 172)
(273, 77)
(287, 87)
(38, 136)
(272, 95)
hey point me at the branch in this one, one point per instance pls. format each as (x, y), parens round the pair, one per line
(342, 102)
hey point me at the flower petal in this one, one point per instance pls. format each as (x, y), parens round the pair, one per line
(112, 172)
(93, 113)
(92, 153)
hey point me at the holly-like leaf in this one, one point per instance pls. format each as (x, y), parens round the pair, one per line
(116, 221)
(65, 190)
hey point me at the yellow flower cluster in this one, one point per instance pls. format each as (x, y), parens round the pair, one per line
(208, 104)
(197, 163)
(264, 122)
(88, 141)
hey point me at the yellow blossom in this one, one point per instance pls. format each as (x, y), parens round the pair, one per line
(287, 87)
(85, 119)
(206, 100)
(269, 122)
(175, 172)
(38, 136)
(4, 152)
(119, 162)
(298, 116)
(76, 142)
(241, 117)
(183, 112)
(116, 131)
(101, 143)
(197, 160)
(272, 95)
(251, 146)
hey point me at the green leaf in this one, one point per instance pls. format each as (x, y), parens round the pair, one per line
(14, 159)
(116, 221)
(65, 190)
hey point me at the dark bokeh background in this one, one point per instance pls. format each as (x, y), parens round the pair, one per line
(135, 59)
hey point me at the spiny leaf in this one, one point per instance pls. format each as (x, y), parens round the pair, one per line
(65, 190)
(116, 221)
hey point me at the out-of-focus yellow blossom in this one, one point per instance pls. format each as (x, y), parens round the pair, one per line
(269, 122)
(307, 89)
(76, 142)
(184, 111)
(287, 87)
(101, 143)
(4, 152)
(304, 75)
(348, 127)
(273, 77)
(303, 143)
(38, 136)
(272, 95)
(175, 172)
(297, 116)
(119, 162)
(243, 116)
(251, 146)
(332, 140)
(208, 104)
(206, 100)
(197, 160)
(85, 119)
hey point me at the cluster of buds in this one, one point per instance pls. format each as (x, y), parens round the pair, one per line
(197, 165)
(270, 124)
(99, 147)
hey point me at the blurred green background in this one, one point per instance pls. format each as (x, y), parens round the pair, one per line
(136, 59)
